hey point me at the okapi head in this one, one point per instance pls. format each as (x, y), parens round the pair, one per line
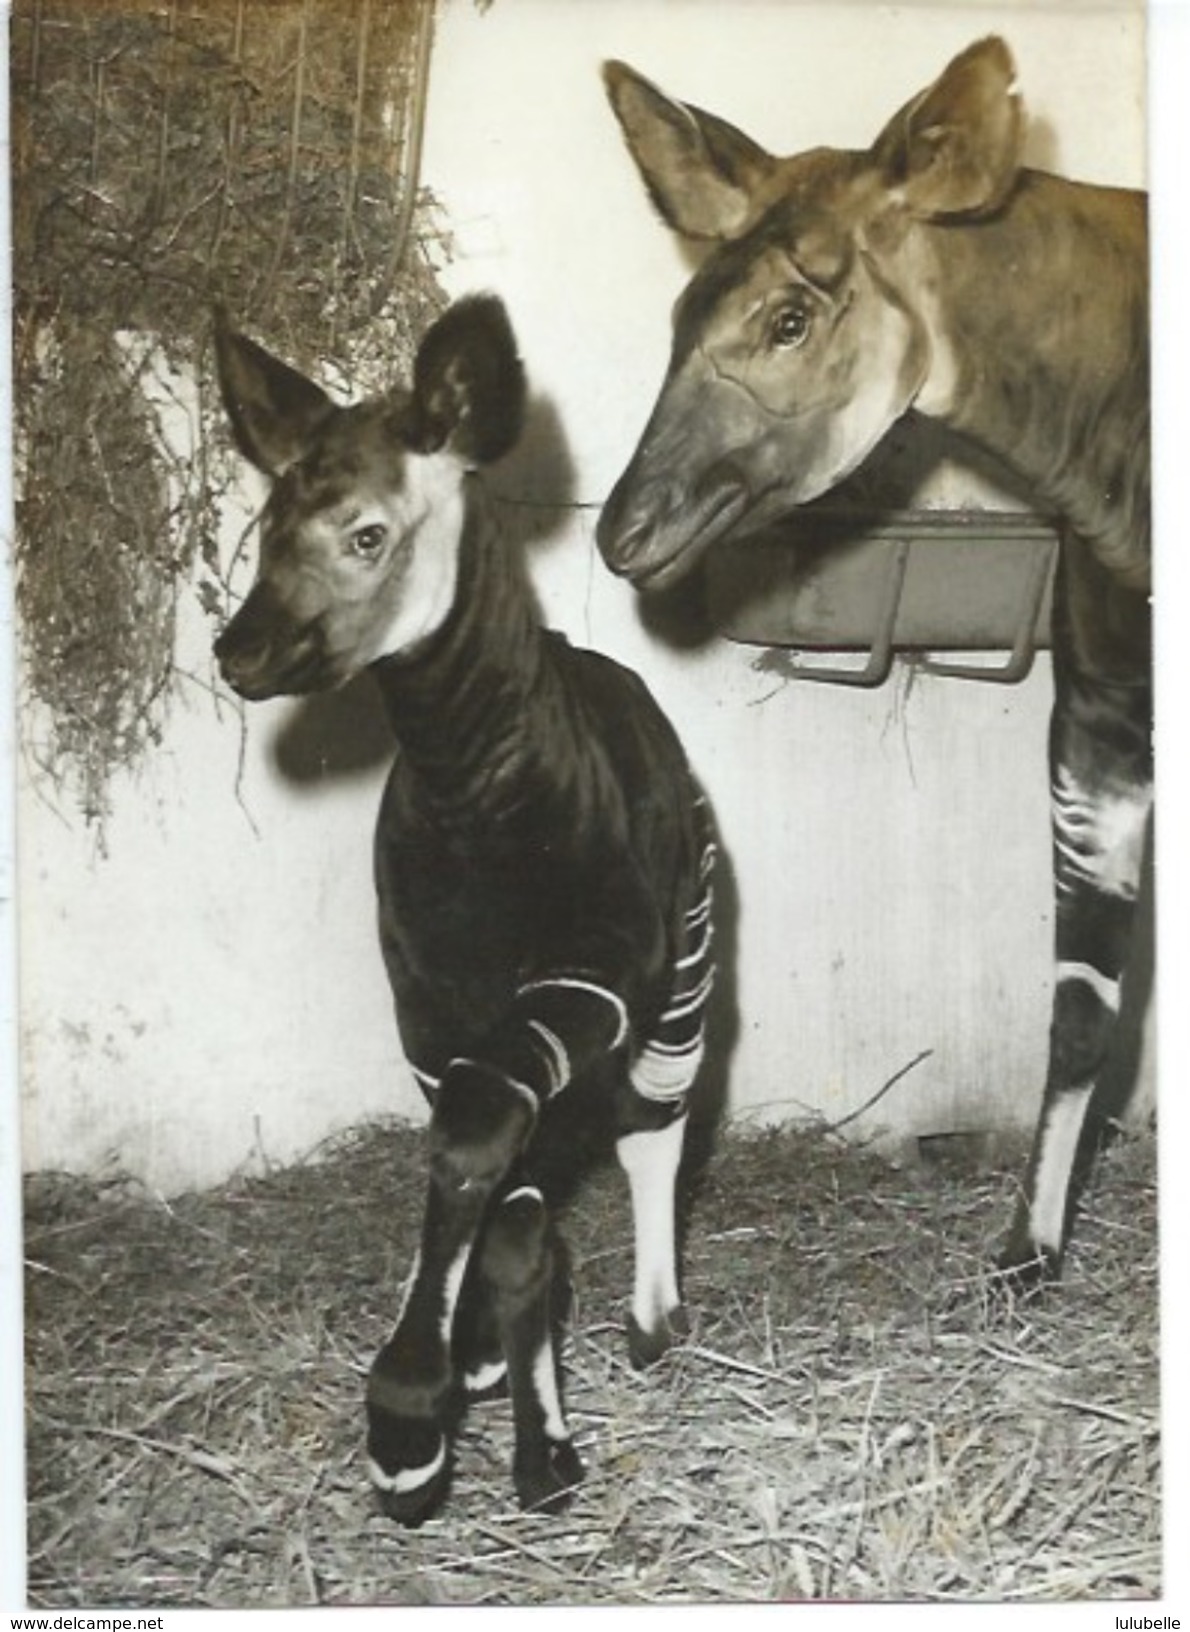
(807, 332)
(361, 530)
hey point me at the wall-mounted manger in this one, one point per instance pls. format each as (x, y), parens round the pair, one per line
(833, 580)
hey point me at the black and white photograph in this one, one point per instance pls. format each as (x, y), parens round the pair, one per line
(585, 883)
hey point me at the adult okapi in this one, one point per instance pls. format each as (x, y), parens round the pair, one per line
(931, 272)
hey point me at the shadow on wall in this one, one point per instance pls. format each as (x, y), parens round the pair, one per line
(332, 736)
(535, 484)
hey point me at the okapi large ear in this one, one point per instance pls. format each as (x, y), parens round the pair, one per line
(468, 383)
(274, 410)
(700, 172)
(955, 149)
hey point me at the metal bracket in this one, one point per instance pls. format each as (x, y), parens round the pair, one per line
(880, 655)
(1024, 647)
(876, 670)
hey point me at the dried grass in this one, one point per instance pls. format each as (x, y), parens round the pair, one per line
(168, 156)
(852, 1418)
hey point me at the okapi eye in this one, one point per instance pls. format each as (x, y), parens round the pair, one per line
(791, 327)
(367, 541)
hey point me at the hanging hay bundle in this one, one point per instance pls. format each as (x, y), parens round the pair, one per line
(261, 154)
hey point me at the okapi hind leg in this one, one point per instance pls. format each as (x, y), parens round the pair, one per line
(650, 1158)
(478, 1352)
(517, 1268)
(1101, 787)
(651, 1116)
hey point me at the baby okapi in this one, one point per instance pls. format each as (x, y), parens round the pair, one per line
(931, 272)
(542, 863)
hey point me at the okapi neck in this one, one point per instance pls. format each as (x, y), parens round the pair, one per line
(1047, 330)
(461, 704)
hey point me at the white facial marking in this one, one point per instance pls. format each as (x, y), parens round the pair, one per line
(883, 392)
(938, 392)
(432, 510)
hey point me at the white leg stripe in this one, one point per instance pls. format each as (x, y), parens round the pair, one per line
(557, 1060)
(688, 1002)
(545, 1382)
(453, 1281)
(666, 1076)
(699, 914)
(699, 952)
(410, 1283)
(521, 1190)
(651, 1161)
(405, 1479)
(1105, 988)
(485, 1376)
(1055, 1161)
(572, 983)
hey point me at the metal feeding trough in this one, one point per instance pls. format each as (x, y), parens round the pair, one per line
(914, 580)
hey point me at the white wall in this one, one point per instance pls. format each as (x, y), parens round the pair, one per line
(208, 993)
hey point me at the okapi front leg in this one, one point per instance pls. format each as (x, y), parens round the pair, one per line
(1100, 818)
(517, 1266)
(480, 1123)
(484, 1113)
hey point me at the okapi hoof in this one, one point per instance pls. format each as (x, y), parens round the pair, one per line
(546, 1481)
(411, 1508)
(646, 1347)
(409, 1464)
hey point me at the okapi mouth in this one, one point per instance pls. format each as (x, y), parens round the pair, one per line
(258, 669)
(655, 553)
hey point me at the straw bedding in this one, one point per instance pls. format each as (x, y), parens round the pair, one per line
(852, 1418)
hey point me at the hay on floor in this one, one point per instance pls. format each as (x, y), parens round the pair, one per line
(852, 1418)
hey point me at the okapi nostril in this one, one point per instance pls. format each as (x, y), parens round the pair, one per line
(239, 666)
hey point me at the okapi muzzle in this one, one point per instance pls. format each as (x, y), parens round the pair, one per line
(265, 651)
(692, 480)
(789, 364)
